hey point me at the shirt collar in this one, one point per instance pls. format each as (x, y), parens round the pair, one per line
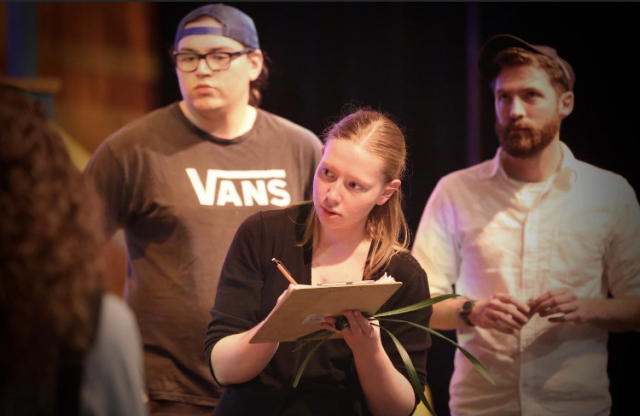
(567, 174)
(568, 169)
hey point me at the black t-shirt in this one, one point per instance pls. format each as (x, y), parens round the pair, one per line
(180, 194)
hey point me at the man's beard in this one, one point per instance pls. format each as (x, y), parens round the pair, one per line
(528, 142)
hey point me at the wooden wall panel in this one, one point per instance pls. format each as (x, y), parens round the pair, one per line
(107, 57)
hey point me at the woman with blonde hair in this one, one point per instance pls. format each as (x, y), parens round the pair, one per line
(354, 229)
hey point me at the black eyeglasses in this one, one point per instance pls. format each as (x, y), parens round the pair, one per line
(217, 61)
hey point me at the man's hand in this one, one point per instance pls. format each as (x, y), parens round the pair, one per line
(501, 312)
(561, 305)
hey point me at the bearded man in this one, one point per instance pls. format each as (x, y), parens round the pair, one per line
(544, 250)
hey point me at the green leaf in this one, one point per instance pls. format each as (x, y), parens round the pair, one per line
(309, 355)
(322, 335)
(411, 370)
(477, 364)
(305, 339)
(416, 306)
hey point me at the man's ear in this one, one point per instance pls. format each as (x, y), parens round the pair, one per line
(566, 104)
(256, 59)
(388, 191)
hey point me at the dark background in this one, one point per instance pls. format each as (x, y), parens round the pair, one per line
(411, 59)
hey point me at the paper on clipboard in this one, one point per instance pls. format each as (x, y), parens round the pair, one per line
(305, 305)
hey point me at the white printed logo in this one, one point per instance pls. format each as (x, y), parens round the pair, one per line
(257, 187)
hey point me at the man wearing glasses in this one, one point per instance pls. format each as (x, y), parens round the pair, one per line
(180, 180)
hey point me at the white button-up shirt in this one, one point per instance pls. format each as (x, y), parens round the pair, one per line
(485, 233)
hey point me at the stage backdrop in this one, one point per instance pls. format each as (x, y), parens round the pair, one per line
(415, 60)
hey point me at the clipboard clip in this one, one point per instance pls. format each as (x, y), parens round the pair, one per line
(342, 322)
(356, 282)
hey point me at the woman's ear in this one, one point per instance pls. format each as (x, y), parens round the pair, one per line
(388, 191)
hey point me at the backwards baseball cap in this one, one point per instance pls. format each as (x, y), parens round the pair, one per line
(494, 45)
(235, 25)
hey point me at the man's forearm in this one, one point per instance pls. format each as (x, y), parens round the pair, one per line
(613, 314)
(445, 314)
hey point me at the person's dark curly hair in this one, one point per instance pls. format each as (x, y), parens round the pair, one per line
(49, 245)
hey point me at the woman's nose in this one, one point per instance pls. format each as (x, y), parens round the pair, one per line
(333, 194)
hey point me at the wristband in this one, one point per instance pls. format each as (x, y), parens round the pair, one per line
(465, 311)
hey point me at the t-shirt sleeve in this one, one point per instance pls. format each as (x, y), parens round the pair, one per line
(106, 175)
